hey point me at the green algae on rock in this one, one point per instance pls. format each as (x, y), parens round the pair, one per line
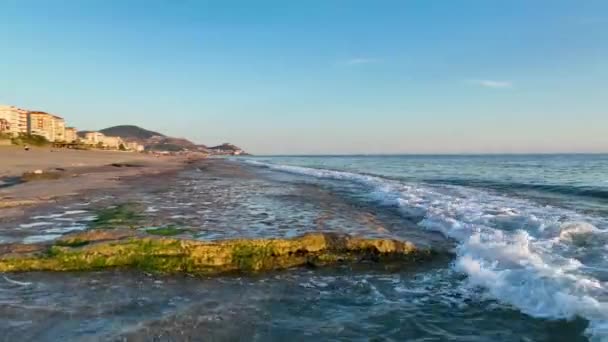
(169, 230)
(166, 255)
(71, 243)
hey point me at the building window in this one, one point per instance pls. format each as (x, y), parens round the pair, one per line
(40, 123)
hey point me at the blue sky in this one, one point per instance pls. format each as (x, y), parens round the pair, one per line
(319, 76)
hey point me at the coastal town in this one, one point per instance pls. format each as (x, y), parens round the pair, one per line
(17, 122)
(24, 127)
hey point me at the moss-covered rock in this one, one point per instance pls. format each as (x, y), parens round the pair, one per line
(166, 255)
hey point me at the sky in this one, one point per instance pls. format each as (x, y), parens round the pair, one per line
(319, 76)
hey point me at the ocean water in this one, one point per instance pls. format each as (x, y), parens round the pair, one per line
(530, 231)
(528, 235)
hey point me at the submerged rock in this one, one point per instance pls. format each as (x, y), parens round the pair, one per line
(126, 215)
(92, 251)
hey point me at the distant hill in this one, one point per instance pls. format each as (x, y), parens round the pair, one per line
(130, 132)
(225, 147)
(154, 141)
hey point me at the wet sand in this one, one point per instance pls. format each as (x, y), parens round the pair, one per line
(215, 199)
(76, 172)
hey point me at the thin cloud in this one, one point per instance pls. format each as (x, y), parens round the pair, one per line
(492, 83)
(360, 61)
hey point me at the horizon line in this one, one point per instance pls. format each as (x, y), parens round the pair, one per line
(427, 154)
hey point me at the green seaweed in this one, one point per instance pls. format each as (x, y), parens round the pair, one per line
(166, 231)
(154, 256)
(166, 255)
(249, 257)
(122, 215)
(71, 243)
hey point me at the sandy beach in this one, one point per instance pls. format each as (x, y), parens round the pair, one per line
(15, 160)
(75, 171)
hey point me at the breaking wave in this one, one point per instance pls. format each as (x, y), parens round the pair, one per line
(548, 262)
(569, 190)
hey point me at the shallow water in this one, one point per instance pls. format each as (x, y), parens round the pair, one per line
(527, 268)
(419, 304)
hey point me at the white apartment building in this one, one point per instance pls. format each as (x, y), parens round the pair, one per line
(113, 142)
(71, 134)
(94, 138)
(47, 125)
(13, 120)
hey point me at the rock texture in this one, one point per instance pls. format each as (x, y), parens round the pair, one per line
(99, 249)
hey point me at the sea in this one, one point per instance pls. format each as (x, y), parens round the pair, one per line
(526, 236)
(530, 232)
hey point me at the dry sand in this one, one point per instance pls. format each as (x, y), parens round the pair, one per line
(14, 161)
(77, 171)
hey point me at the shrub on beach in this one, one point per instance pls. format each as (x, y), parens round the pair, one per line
(30, 139)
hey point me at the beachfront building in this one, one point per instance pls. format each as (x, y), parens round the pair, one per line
(93, 138)
(101, 140)
(50, 126)
(113, 143)
(133, 146)
(58, 128)
(13, 120)
(5, 126)
(41, 124)
(71, 135)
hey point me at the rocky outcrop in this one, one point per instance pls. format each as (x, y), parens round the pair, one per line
(226, 149)
(99, 249)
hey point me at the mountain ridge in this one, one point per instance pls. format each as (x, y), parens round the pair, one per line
(155, 141)
(130, 131)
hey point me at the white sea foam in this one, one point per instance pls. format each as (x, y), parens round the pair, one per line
(16, 282)
(63, 230)
(40, 238)
(35, 224)
(51, 216)
(59, 216)
(513, 248)
(571, 230)
(75, 212)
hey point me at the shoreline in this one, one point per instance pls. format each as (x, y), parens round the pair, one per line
(73, 173)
